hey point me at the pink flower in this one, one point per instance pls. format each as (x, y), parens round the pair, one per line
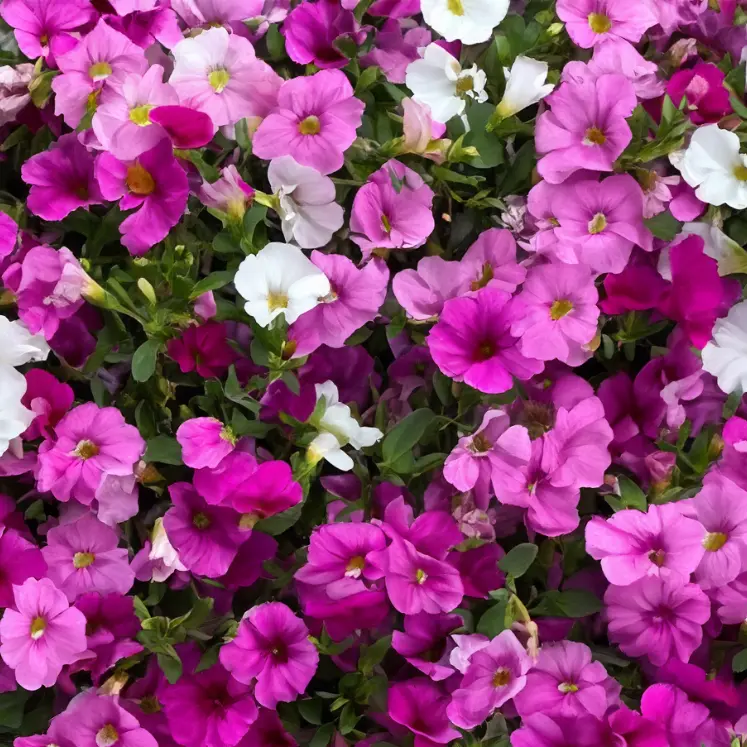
(230, 195)
(8, 235)
(315, 122)
(556, 313)
(49, 399)
(590, 22)
(632, 545)
(682, 720)
(566, 682)
(203, 349)
(424, 291)
(419, 704)
(637, 288)
(91, 444)
(19, 560)
(354, 300)
(732, 600)
(491, 262)
(539, 730)
(62, 179)
(702, 87)
(658, 617)
(205, 537)
(83, 556)
(395, 47)
(602, 221)
(102, 59)
(495, 674)
(41, 635)
(273, 648)
(205, 442)
(219, 74)
(155, 183)
(313, 30)
(585, 127)
(393, 209)
(185, 126)
(206, 13)
(268, 731)
(472, 343)
(425, 643)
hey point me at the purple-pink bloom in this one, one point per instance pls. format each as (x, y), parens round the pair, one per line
(590, 22)
(185, 126)
(495, 674)
(269, 490)
(229, 195)
(422, 292)
(203, 348)
(19, 559)
(472, 342)
(205, 442)
(315, 121)
(40, 634)
(155, 183)
(566, 682)
(702, 88)
(491, 262)
(8, 235)
(426, 643)
(420, 705)
(49, 399)
(83, 556)
(272, 647)
(682, 720)
(396, 45)
(659, 617)
(539, 730)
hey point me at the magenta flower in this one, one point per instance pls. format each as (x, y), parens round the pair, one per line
(393, 209)
(419, 704)
(83, 556)
(205, 537)
(49, 399)
(267, 731)
(62, 179)
(102, 59)
(426, 643)
(637, 288)
(313, 29)
(8, 235)
(702, 87)
(540, 730)
(185, 126)
(495, 674)
(354, 300)
(205, 442)
(41, 634)
(273, 648)
(732, 601)
(209, 708)
(603, 221)
(155, 183)
(196, 13)
(478, 567)
(203, 349)
(19, 560)
(315, 122)
(591, 22)
(91, 443)
(491, 262)
(657, 617)
(683, 721)
(566, 682)
(395, 47)
(230, 196)
(632, 545)
(585, 127)
(472, 342)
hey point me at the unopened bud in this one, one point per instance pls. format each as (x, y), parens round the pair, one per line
(148, 291)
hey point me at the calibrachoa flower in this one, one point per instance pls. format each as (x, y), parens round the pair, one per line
(205, 442)
(19, 560)
(420, 705)
(469, 21)
(591, 22)
(203, 349)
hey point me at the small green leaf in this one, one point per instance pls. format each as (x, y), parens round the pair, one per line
(373, 655)
(348, 719)
(11, 708)
(144, 360)
(664, 226)
(739, 662)
(405, 435)
(171, 666)
(573, 603)
(493, 621)
(280, 522)
(212, 282)
(518, 560)
(322, 736)
(631, 495)
(311, 710)
(164, 449)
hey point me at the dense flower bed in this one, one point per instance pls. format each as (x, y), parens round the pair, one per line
(371, 373)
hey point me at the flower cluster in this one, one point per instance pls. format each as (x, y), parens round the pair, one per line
(373, 372)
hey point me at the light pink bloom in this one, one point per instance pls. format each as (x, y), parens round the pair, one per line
(230, 196)
(14, 91)
(590, 22)
(205, 442)
(491, 262)
(207, 13)
(19, 559)
(424, 291)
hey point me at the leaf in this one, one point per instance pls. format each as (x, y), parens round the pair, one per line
(405, 435)
(664, 226)
(171, 666)
(493, 621)
(373, 655)
(252, 218)
(11, 708)
(212, 282)
(488, 145)
(573, 603)
(280, 522)
(518, 560)
(311, 710)
(348, 719)
(739, 662)
(144, 360)
(631, 495)
(164, 449)
(322, 736)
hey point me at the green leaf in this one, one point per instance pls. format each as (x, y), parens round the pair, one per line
(144, 360)
(311, 710)
(164, 449)
(11, 708)
(348, 719)
(322, 736)
(280, 522)
(171, 666)
(493, 621)
(664, 226)
(212, 282)
(518, 560)
(368, 77)
(252, 218)
(573, 603)
(373, 655)
(739, 662)
(488, 145)
(631, 495)
(405, 435)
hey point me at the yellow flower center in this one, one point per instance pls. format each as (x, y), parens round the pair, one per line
(201, 521)
(219, 79)
(355, 566)
(456, 7)
(83, 559)
(599, 23)
(310, 126)
(501, 678)
(150, 704)
(740, 172)
(567, 687)
(86, 449)
(100, 70)
(107, 736)
(248, 521)
(140, 115)
(277, 301)
(465, 84)
(386, 223)
(227, 434)
(594, 136)
(597, 224)
(714, 541)
(657, 557)
(421, 576)
(38, 626)
(139, 181)
(560, 308)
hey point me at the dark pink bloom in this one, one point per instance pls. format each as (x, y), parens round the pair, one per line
(702, 87)
(49, 398)
(8, 235)
(635, 730)
(19, 560)
(426, 643)
(267, 731)
(248, 565)
(395, 47)
(273, 648)
(420, 705)
(539, 730)
(205, 442)
(204, 349)
(637, 288)
(186, 127)
(681, 719)
(478, 568)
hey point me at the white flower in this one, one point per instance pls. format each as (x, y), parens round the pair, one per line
(162, 553)
(725, 357)
(525, 85)
(280, 280)
(714, 166)
(326, 446)
(14, 417)
(307, 206)
(19, 346)
(439, 82)
(469, 21)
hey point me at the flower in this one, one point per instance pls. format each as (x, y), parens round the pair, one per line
(155, 183)
(205, 442)
(203, 349)
(315, 122)
(354, 299)
(164, 558)
(14, 417)
(702, 87)
(713, 165)
(438, 81)
(19, 560)
(539, 730)
(425, 643)
(632, 545)
(725, 356)
(62, 179)
(421, 133)
(219, 74)
(14, 96)
(566, 682)
(472, 343)
(48, 399)
(229, 197)
(469, 21)
(91, 443)
(83, 556)
(424, 291)
(525, 86)
(419, 705)
(393, 209)
(306, 202)
(206, 13)
(40, 634)
(590, 22)
(585, 127)
(656, 616)
(279, 279)
(272, 647)
(495, 674)
(396, 45)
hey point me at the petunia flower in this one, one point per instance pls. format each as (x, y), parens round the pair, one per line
(15, 418)
(19, 559)
(469, 21)
(591, 22)
(203, 348)
(702, 88)
(426, 643)
(419, 704)
(229, 197)
(725, 356)
(396, 45)
(49, 399)
(207, 13)
(525, 86)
